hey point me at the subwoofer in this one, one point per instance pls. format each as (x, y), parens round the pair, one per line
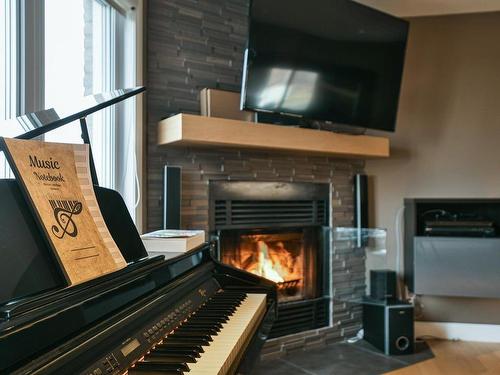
(388, 325)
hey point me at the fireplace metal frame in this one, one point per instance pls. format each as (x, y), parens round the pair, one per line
(255, 205)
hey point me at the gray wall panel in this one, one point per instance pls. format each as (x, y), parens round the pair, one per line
(459, 267)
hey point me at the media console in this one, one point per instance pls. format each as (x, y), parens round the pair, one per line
(452, 247)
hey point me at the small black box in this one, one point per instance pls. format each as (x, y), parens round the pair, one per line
(383, 284)
(388, 325)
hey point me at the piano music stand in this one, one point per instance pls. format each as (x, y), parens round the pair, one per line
(86, 140)
(32, 125)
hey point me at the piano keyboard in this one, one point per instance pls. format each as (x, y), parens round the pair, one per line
(210, 340)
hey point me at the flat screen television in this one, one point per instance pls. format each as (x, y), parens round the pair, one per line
(327, 60)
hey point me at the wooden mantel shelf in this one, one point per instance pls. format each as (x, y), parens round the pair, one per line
(192, 130)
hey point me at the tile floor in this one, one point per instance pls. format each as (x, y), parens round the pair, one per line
(341, 359)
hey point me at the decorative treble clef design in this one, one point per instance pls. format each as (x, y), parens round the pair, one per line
(63, 213)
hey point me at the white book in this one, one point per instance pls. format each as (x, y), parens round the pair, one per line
(172, 241)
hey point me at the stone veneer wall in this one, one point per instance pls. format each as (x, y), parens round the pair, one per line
(191, 44)
(194, 44)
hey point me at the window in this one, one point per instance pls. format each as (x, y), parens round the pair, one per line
(80, 45)
(75, 48)
(100, 73)
(64, 61)
(8, 69)
(8, 50)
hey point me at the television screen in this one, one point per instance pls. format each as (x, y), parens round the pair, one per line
(329, 60)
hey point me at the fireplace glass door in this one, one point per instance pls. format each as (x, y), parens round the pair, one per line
(285, 256)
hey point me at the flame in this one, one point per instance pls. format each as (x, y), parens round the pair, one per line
(277, 257)
(265, 266)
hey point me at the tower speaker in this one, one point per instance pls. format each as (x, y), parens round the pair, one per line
(360, 206)
(361, 201)
(389, 326)
(172, 197)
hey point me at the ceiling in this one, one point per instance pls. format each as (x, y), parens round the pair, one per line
(418, 8)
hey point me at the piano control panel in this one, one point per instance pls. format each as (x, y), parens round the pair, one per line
(135, 346)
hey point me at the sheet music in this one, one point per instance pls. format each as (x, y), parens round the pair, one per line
(56, 179)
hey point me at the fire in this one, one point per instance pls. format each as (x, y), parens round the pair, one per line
(265, 266)
(277, 257)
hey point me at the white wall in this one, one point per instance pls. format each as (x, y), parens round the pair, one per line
(447, 140)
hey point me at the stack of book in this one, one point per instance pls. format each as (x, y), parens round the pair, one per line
(171, 242)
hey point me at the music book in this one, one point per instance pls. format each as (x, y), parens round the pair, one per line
(56, 180)
(172, 240)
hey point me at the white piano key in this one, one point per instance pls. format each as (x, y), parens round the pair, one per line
(225, 347)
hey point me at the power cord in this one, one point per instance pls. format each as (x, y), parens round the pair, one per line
(359, 336)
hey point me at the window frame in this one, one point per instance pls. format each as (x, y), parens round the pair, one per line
(30, 75)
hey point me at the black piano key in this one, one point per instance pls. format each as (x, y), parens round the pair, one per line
(159, 357)
(161, 368)
(202, 328)
(182, 344)
(225, 303)
(190, 335)
(192, 341)
(198, 323)
(225, 298)
(199, 330)
(201, 325)
(141, 371)
(205, 328)
(214, 313)
(218, 317)
(230, 291)
(219, 309)
(216, 309)
(204, 319)
(185, 351)
(228, 296)
(221, 300)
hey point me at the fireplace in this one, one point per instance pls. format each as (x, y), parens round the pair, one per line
(278, 231)
(288, 257)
